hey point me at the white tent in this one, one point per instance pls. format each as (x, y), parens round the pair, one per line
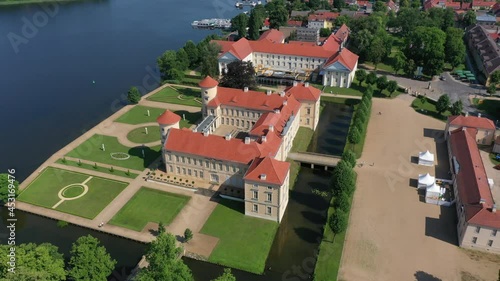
(426, 158)
(425, 180)
(432, 194)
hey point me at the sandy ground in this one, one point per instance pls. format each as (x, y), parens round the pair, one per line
(393, 234)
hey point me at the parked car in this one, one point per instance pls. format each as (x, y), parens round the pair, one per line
(442, 78)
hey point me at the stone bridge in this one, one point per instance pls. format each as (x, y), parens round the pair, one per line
(312, 158)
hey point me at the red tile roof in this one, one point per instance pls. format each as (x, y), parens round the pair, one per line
(168, 118)
(296, 23)
(345, 57)
(472, 181)
(251, 99)
(272, 35)
(301, 92)
(321, 16)
(208, 82)
(275, 171)
(486, 4)
(302, 43)
(217, 147)
(471, 122)
(342, 33)
(494, 35)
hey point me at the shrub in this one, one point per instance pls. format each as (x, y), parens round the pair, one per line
(350, 157)
(342, 202)
(95, 166)
(354, 135)
(188, 235)
(127, 173)
(133, 95)
(79, 162)
(63, 160)
(112, 170)
(62, 224)
(338, 221)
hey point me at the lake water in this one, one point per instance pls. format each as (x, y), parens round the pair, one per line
(48, 98)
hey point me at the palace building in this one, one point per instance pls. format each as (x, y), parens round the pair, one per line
(242, 143)
(329, 60)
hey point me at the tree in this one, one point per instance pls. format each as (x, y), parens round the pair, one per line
(399, 62)
(376, 51)
(360, 75)
(492, 89)
(314, 4)
(392, 86)
(240, 23)
(371, 78)
(325, 32)
(454, 46)
(342, 19)
(443, 103)
(404, 4)
(382, 83)
(278, 16)
(469, 18)
(167, 63)
(410, 68)
(339, 4)
(239, 74)
(162, 255)
(354, 135)
(133, 95)
(342, 202)
(343, 178)
(256, 21)
(33, 262)
(495, 77)
(161, 228)
(182, 59)
(192, 53)
(89, 260)
(226, 276)
(425, 45)
(457, 107)
(209, 53)
(338, 221)
(349, 157)
(380, 6)
(188, 235)
(5, 190)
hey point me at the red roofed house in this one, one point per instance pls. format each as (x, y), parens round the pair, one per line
(321, 19)
(484, 127)
(478, 220)
(242, 143)
(335, 64)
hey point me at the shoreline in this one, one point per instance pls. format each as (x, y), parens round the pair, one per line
(13, 3)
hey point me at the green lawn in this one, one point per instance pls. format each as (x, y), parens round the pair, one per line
(149, 205)
(490, 107)
(91, 150)
(43, 191)
(302, 139)
(138, 115)
(294, 172)
(99, 168)
(139, 135)
(493, 160)
(244, 241)
(428, 107)
(178, 95)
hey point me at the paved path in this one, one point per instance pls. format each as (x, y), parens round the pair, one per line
(100, 165)
(94, 173)
(170, 106)
(341, 96)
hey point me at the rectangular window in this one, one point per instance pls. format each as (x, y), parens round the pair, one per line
(213, 166)
(189, 172)
(308, 110)
(255, 195)
(171, 168)
(178, 170)
(269, 188)
(478, 229)
(170, 157)
(220, 167)
(255, 185)
(490, 243)
(201, 174)
(255, 208)
(269, 197)
(227, 167)
(177, 158)
(494, 233)
(184, 171)
(268, 211)
(234, 169)
(207, 165)
(195, 173)
(474, 240)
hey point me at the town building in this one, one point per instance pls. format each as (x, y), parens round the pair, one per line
(484, 51)
(485, 128)
(459, 5)
(329, 62)
(478, 224)
(241, 145)
(321, 19)
(486, 20)
(306, 34)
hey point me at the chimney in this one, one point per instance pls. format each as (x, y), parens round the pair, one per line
(306, 84)
(268, 92)
(271, 128)
(464, 128)
(228, 137)
(282, 93)
(277, 111)
(245, 89)
(264, 138)
(482, 201)
(494, 208)
(295, 83)
(247, 140)
(466, 113)
(479, 115)
(206, 133)
(263, 177)
(285, 102)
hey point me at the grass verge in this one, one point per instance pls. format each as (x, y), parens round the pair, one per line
(99, 168)
(178, 95)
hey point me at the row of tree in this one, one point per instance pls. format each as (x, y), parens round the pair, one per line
(361, 117)
(88, 261)
(443, 104)
(381, 82)
(274, 10)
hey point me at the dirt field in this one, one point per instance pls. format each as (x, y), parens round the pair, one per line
(393, 234)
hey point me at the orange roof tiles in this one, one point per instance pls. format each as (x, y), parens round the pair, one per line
(472, 181)
(275, 171)
(342, 33)
(208, 82)
(301, 92)
(345, 57)
(471, 122)
(168, 118)
(272, 35)
(322, 16)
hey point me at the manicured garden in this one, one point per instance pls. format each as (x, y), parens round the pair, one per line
(178, 95)
(139, 115)
(149, 205)
(133, 158)
(101, 169)
(244, 242)
(145, 134)
(43, 191)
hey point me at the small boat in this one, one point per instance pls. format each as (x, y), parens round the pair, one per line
(212, 23)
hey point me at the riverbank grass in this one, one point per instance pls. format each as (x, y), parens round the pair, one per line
(244, 242)
(139, 115)
(101, 169)
(139, 135)
(149, 205)
(91, 150)
(178, 95)
(44, 190)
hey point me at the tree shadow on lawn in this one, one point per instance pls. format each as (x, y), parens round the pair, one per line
(189, 92)
(150, 155)
(233, 205)
(191, 117)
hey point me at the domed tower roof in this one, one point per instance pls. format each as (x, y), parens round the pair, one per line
(208, 82)
(168, 118)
